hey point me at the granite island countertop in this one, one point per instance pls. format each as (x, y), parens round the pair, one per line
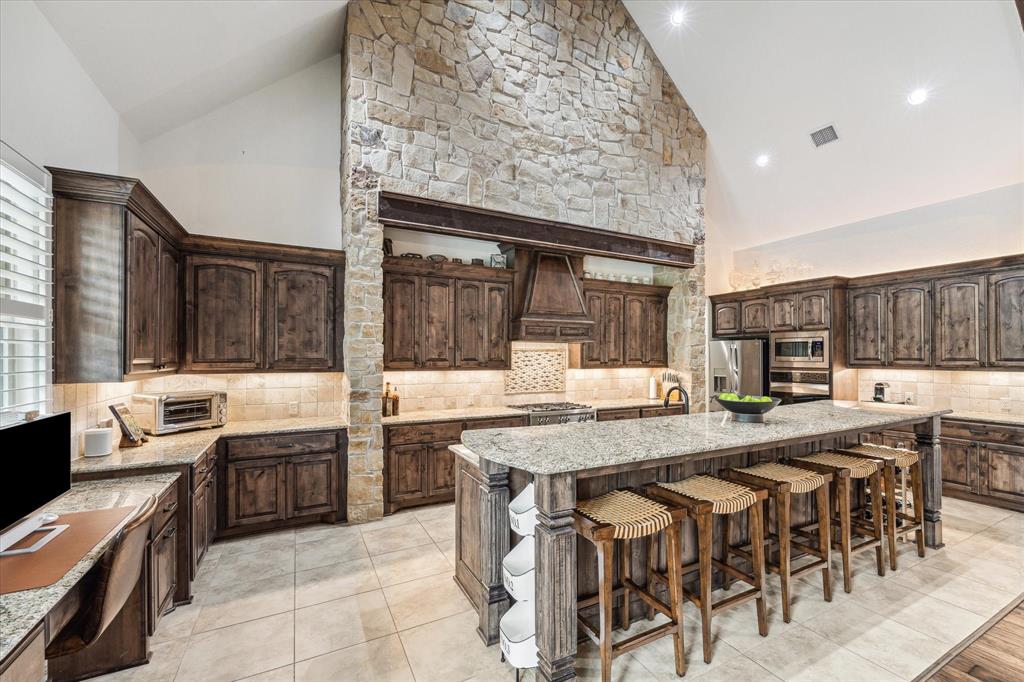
(564, 448)
(458, 414)
(1007, 418)
(21, 611)
(185, 448)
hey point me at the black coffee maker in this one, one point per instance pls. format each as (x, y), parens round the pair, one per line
(881, 392)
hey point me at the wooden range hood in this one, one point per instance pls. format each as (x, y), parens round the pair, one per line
(548, 302)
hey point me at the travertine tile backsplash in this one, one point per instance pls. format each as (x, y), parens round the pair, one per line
(250, 396)
(996, 392)
(448, 390)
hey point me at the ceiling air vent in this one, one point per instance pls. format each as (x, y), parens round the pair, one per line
(824, 136)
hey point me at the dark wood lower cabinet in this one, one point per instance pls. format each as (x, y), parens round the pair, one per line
(282, 480)
(163, 572)
(980, 462)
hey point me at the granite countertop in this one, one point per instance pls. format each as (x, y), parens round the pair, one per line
(590, 445)
(421, 416)
(21, 611)
(623, 403)
(186, 448)
(987, 417)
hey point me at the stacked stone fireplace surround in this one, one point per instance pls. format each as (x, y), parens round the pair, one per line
(550, 108)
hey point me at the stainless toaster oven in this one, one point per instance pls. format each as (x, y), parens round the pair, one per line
(160, 413)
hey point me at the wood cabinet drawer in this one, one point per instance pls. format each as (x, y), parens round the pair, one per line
(661, 411)
(500, 423)
(200, 469)
(989, 433)
(613, 415)
(424, 433)
(166, 507)
(280, 446)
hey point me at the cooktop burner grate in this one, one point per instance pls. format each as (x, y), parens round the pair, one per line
(550, 407)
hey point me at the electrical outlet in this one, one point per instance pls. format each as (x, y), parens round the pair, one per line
(910, 399)
(293, 409)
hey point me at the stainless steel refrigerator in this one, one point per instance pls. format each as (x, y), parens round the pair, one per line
(738, 366)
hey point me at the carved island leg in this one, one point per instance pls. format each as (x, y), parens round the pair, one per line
(930, 452)
(494, 545)
(556, 576)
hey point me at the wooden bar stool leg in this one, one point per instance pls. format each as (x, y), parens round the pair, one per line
(704, 549)
(876, 513)
(625, 559)
(755, 514)
(782, 505)
(652, 566)
(890, 512)
(674, 561)
(824, 539)
(917, 482)
(726, 533)
(605, 575)
(843, 497)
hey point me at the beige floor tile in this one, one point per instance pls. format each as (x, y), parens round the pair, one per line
(992, 549)
(976, 512)
(897, 648)
(384, 540)
(800, 654)
(250, 565)
(335, 550)
(397, 519)
(449, 649)
(255, 543)
(1005, 576)
(381, 660)
(162, 667)
(244, 600)
(240, 650)
(963, 592)
(806, 595)
(659, 656)
(447, 548)
(917, 610)
(178, 623)
(625, 668)
(284, 674)
(324, 531)
(410, 564)
(442, 528)
(434, 512)
(962, 523)
(341, 623)
(738, 669)
(334, 581)
(737, 627)
(424, 600)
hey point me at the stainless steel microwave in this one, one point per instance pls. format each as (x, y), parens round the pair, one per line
(799, 350)
(160, 413)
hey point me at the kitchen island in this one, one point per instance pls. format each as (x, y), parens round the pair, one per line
(571, 462)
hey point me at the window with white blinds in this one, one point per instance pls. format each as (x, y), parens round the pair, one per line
(26, 286)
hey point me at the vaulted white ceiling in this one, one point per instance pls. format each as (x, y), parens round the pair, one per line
(762, 75)
(161, 63)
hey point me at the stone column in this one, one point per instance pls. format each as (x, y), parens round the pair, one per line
(687, 323)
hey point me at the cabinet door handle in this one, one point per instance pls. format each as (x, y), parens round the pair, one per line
(169, 532)
(978, 432)
(287, 446)
(171, 507)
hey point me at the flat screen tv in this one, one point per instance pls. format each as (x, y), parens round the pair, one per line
(35, 457)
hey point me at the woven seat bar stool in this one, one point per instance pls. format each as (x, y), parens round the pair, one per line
(845, 469)
(782, 482)
(908, 460)
(704, 497)
(624, 516)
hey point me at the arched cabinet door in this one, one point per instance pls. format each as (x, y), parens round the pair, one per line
(1006, 318)
(300, 316)
(910, 324)
(960, 322)
(142, 295)
(866, 326)
(224, 313)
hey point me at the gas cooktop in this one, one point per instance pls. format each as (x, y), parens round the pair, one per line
(550, 407)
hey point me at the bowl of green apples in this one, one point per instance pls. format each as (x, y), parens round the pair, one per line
(747, 408)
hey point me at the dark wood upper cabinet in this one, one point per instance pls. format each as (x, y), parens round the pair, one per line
(169, 338)
(726, 318)
(867, 322)
(635, 347)
(1006, 318)
(656, 311)
(910, 324)
(814, 310)
(142, 295)
(223, 313)
(593, 353)
(755, 316)
(300, 316)
(782, 312)
(439, 316)
(614, 351)
(960, 320)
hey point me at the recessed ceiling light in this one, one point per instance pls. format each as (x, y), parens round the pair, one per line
(762, 160)
(917, 96)
(677, 17)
